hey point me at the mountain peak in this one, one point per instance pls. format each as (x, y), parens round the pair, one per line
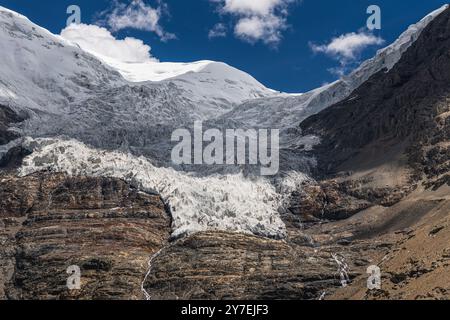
(11, 12)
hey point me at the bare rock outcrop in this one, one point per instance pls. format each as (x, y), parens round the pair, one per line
(7, 118)
(50, 222)
(218, 265)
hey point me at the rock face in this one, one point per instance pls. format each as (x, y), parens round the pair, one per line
(13, 158)
(50, 222)
(341, 198)
(326, 200)
(218, 265)
(390, 136)
(120, 237)
(235, 266)
(404, 111)
(7, 117)
(111, 231)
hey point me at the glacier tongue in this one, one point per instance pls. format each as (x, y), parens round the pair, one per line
(221, 202)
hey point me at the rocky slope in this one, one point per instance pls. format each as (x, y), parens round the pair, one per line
(104, 226)
(392, 133)
(407, 106)
(385, 149)
(7, 119)
(218, 265)
(417, 267)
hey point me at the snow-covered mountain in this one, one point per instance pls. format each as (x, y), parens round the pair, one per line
(210, 85)
(288, 111)
(70, 91)
(90, 115)
(46, 73)
(41, 72)
(219, 81)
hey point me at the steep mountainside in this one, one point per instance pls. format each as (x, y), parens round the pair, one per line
(64, 90)
(418, 264)
(402, 112)
(384, 158)
(287, 111)
(50, 222)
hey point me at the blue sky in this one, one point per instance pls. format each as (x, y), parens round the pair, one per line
(281, 58)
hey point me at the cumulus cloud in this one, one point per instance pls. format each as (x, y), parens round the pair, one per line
(348, 46)
(261, 20)
(218, 31)
(100, 41)
(347, 49)
(137, 15)
(256, 28)
(260, 7)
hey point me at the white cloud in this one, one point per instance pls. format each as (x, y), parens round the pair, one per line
(347, 49)
(251, 7)
(218, 31)
(256, 28)
(137, 15)
(348, 46)
(257, 20)
(100, 41)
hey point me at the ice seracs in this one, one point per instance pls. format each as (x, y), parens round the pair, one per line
(222, 202)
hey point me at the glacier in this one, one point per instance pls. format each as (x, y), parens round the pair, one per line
(90, 115)
(229, 202)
